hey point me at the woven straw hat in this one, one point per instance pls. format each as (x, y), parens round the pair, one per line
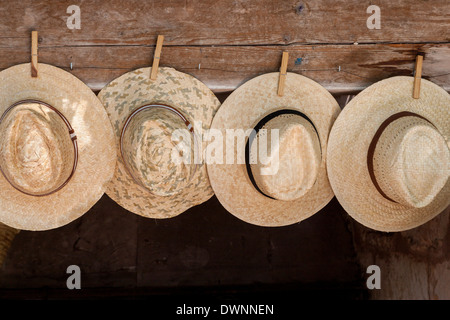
(158, 126)
(55, 155)
(291, 184)
(388, 155)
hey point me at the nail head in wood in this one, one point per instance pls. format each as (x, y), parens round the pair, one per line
(283, 72)
(34, 54)
(417, 76)
(156, 57)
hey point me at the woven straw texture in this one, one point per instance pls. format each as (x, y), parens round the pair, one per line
(296, 156)
(148, 147)
(348, 147)
(405, 175)
(181, 91)
(253, 101)
(94, 135)
(36, 151)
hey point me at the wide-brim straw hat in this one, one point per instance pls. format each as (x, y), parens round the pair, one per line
(388, 155)
(55, 148)
(303, 117)
(145, 114)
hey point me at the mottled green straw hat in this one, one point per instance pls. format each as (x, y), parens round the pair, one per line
(158, 125)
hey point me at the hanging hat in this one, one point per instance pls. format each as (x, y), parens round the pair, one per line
(288, 183)
(158, 126)
(55, 155)
(388, 155)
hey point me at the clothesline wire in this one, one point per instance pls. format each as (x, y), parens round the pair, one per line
(336, 69)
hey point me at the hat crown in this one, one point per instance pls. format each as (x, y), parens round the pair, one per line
(411, 161)
(293, 157)
(154, 156)
(36, 150)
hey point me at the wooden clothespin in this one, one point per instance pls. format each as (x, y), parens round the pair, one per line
(34, 54)
(157, 57)
(283, 70)
(417, 76)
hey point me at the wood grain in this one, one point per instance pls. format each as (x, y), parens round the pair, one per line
(226, 22)
(203, 247)
(224, 43)
(225, 68)
(415, 264)
(7, 235)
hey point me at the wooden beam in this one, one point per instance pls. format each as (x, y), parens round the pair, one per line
(226, 43)
(226, 22)
(224, 68)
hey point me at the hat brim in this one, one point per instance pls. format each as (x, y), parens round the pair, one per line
(349, 143)
(96, 161)
(185, 93)
(247, 105)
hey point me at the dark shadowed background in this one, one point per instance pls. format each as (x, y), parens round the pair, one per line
(207, 250)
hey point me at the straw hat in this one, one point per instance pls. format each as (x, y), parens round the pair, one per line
(55, 155)
(290, 184)
(158, 127)
(388, 155)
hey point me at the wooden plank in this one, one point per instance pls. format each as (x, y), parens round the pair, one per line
(225, 68)
(103, 243)
(207, 246)
(227, 22)
(203, 247)
(439, 280)
(414, 263)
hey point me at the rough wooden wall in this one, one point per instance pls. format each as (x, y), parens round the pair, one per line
(224, 43)
(415, 264)
(205, 250)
